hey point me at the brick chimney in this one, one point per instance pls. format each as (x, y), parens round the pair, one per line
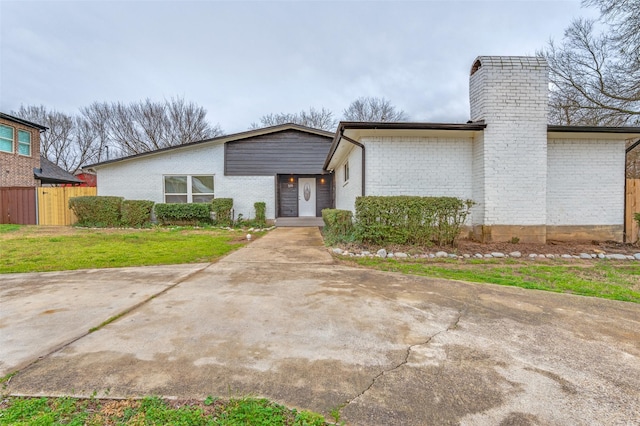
(510, 93)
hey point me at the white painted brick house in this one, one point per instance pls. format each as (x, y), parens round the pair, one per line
(529, 180)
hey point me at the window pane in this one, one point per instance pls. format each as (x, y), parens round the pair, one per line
(6, 146)
(202, 198)
(6, 132)
(24, 137)
(175, 185)
(175, 198)
(202, 185)
(24, 149)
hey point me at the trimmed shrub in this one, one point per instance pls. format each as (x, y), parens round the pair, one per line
(338, 221)
(261, 213)
(136, 213)
(410, 220)
(98, 211)
(338, 225)
(222, 207)
(183, 213)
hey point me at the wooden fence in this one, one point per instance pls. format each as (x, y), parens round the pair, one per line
(633, 206)
(53, 204)
(18, 205)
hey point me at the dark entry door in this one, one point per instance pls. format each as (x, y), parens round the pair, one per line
(288, 196)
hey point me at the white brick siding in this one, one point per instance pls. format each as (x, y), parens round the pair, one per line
(419, 166)
(142, 178)
(246, 190)
(511, 95)
(585, 182)
(477, 171)
(346, 192)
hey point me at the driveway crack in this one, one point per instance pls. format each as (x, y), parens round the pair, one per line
(452, 326)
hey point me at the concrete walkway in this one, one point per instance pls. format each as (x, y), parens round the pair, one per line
(279, 319)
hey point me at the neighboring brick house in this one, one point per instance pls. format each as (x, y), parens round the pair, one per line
(19, 151)
(22, 169)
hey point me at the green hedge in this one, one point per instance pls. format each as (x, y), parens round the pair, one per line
(97, 211)
(222, 207)
(337, 221)
(338, 226)
(410, 220)
(261, 213)
(136, 213)
(183, 213)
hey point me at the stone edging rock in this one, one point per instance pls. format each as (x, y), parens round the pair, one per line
(382, 253)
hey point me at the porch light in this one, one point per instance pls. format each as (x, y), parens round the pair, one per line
(321, 180)
(291, 179)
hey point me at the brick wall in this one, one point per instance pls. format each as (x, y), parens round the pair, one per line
(142, 178)
(419, 166)
(347, 191)
(511, 95)
(477, 173)
(585, 182)
(16, 169)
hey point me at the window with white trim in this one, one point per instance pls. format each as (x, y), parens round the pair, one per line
(188, 188)
(346, 172)
(6, 138)
(24, 143)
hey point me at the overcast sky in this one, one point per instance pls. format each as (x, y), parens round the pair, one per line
(241, 60)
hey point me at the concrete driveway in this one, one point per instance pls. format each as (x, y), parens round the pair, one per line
(279, 319)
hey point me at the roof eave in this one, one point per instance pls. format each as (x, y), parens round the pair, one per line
(220, 139)
(387, 125)
(23, 122)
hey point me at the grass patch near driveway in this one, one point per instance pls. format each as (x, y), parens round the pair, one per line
(34, 249)
(152, 411)
(605, 279)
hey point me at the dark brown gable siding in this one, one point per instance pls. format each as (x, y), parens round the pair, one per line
(286, 152)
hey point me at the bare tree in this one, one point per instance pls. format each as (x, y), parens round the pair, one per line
(63, 144)
(104, 130)
(318, 119)
(596, 76)
(590, 85)
(147, 125)
(373, 109)
(97, 117)
(624, 18)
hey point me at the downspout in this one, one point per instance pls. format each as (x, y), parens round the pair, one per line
(627, 238)
(358, 144)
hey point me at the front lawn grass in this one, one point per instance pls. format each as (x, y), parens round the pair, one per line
(603, 278)
(32, 250)
(151, 411)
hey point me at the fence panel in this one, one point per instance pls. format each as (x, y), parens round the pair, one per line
(53, 204)
(632, 207)
(18, 205)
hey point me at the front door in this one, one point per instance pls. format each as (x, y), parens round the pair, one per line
(307, 197)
